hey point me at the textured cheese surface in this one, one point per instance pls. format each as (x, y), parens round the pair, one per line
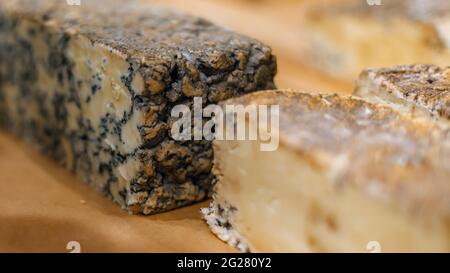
(421, 88)
(347, 172)
(93, 86)
(343, 39)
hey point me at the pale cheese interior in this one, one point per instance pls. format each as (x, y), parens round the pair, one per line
(285, 202)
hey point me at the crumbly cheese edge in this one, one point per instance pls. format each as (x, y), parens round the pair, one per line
(219, 217)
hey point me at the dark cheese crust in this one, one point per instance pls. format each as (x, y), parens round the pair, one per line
(169, 47)
(176, 55)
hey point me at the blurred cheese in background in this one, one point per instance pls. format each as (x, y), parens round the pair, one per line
(341, 39)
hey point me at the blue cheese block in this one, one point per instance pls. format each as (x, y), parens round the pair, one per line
(93, 86)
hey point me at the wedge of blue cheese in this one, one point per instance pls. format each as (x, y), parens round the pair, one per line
(422, 91)
(347, 175)
(93, 86)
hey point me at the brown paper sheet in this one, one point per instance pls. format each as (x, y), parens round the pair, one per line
(43, 208)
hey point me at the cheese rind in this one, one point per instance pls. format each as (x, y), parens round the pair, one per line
(93, 86)
(422, 91)
(347, 172)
